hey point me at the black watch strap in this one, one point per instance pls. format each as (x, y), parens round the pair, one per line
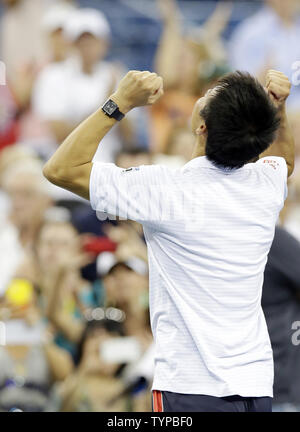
(111, 109)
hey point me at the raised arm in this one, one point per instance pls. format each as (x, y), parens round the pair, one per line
(278, 87)
(70, 166)
(167, 59)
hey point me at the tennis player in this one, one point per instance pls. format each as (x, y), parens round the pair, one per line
(208, 226)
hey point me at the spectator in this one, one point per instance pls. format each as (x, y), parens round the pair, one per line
(126, 288)
(31, 130)
(8, 157)
(54, 22)
(29, 196)
(179, 147)
(21, 37)
(269, 40)
(281, 301)
(66, 93)
(129, 239)
(291, 215)
(188, 65)
(30, 362)
(64, 294)
(9, 124)
(95, 385)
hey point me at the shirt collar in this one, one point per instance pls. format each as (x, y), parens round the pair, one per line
(202, 161)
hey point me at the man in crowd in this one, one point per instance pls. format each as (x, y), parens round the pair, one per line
(281, 304)
(67, 92)
(269, 39)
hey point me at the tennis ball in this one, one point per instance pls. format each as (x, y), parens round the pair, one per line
(19, 292)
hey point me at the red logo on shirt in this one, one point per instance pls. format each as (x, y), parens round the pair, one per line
(272, 163)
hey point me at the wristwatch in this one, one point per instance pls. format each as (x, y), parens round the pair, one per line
(111, 109)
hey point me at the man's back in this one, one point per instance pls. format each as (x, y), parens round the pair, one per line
(207, 258)
(208, 233)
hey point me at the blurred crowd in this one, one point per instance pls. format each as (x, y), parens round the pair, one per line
(74, 285)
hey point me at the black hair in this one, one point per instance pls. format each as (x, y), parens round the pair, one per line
(109, 325)
(119, 265)
(241, 121)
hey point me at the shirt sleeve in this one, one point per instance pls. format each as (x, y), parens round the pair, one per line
(135, 193)
(275, 168)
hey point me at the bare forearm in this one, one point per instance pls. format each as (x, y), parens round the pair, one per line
(67, 325)
(81, 145)
(70, 167)
(70, 327)
(169, 49)
(71, 163)
(53, 288)
(284, 145)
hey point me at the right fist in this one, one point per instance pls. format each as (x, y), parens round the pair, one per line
(278, 87)
(138, 89)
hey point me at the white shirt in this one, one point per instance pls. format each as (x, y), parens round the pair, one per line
(208, 233)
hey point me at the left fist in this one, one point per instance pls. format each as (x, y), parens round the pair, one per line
(278, 87)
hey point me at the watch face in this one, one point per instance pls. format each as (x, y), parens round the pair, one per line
(110, 107)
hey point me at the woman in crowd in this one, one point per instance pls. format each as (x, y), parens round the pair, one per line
(65, 296)
(31, 363)
(95, 385)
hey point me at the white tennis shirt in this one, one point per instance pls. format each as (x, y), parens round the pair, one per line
(208, 233)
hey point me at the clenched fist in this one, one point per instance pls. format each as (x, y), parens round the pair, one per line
(138, 89)
(278, 87)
